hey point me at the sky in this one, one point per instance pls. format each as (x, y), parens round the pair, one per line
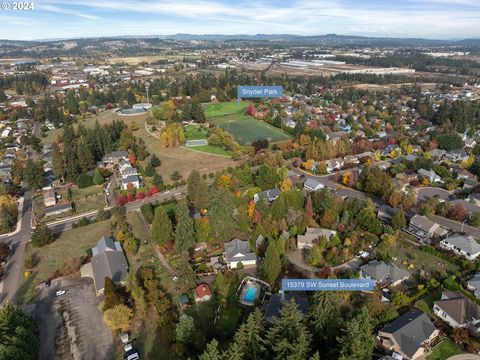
(53, 19)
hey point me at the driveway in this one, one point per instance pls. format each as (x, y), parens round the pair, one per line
(464, 357)
(71, 325)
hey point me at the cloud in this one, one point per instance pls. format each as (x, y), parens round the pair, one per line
(59, 10)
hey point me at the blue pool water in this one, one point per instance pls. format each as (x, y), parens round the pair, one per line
(250, 294)
(131, 111)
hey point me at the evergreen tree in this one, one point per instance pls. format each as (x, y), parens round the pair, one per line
(221, 207)
(155, 161)
(58, 162)
(149, 170)
(249, 340)
(267, 177)
(271, 264)
(33, 174)
(289, 337)
(85, 157)
(111, 295)
(325, 318)
(161, 227)
(398, 219)
(185, 329)
(197, 190)
(184, 231)
(357, 342)
(97, 177)
(211, 352)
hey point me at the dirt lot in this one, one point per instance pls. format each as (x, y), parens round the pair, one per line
(71, 325)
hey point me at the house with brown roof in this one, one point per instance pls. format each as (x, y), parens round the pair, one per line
(458, 311)
(311, 237)
(202, 293)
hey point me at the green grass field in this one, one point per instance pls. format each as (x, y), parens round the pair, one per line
(246, 129)
(194, 133)
(213, 110)
(210, 149)
(444, 350)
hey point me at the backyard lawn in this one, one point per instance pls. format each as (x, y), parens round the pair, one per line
(426, 304)
(406, 251)
(444, 350)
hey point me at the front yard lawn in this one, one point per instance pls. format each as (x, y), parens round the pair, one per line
(444, 350)
(426, 304)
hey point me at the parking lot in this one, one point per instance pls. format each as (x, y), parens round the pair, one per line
(71, 325)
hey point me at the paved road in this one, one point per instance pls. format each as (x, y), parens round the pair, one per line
(14, 268)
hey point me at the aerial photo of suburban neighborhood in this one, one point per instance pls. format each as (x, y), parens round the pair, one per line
(273, 180)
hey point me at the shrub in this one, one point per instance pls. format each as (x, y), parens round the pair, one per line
(42, 236)
(155, 161)
(140, 195)
(149, 170)
(84, 181)
(122, 200)
(71, 265)
(147, 211)
(97, 178)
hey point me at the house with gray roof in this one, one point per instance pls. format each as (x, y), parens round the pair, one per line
(384, 274)
(458, 311)
(409, 336)
(108, 260)
(115, 157)
(311, 237)
(466, 246)
(270, 195)
(312, 184)
(430, 175)
(238, 251)
(474, 285)
(423, 228)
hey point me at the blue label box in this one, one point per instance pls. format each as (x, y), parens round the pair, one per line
(259, 92)
(328, 285)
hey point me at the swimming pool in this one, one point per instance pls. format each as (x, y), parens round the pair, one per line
(131, 111)
(250, 294)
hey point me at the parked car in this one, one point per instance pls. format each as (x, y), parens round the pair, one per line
(60, 292)
(128, 347)
(48, 283)
(131, 355)
(124, 338)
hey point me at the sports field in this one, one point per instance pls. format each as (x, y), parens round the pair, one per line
(224, 108)
(246, 129)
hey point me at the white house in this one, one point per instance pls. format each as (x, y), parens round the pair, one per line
(430, 175)
(466, 246)
(458, 311)
(238, 251)
(313, 185)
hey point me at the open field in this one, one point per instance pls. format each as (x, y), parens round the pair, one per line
(246, 129)
(194, 133)
(76, 243)
(179, 158)
(444, 350)
(223, 108)
(210, 149)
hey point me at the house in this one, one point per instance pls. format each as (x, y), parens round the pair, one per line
(351, 160)
(270, 195)
(466, 246)
(465, 174)
(470, 183)
(202, 293)
(457, 155)
(385, 213)
(311, 237)
(334, 164)
(49, 198)
(474, 198)
(238, 251)
(131, 179)
(410, 335)
(115, 157)
(458, 311)
(58, 209)
(470, 143)
(272, 309)
(430, 175)
(422, 227)
(108, 260)
(384, 274)
(437, 154)
(312, 184)
(474, 285)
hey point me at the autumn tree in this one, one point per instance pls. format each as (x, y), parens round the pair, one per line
(118, 317)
